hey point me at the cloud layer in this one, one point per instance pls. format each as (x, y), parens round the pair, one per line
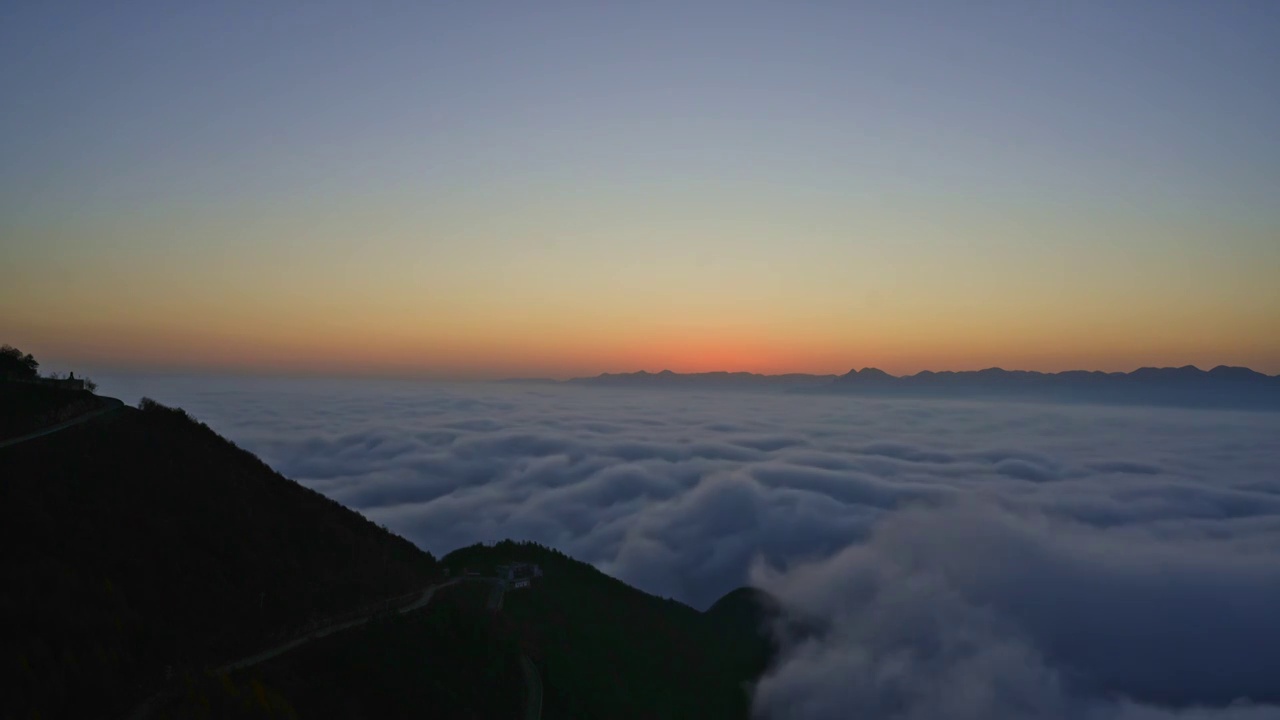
(948, 559)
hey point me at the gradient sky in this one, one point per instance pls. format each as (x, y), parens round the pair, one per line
(490, 189)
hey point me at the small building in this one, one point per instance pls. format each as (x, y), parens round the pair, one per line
(519, 575)
(71, 383)
(67, 383)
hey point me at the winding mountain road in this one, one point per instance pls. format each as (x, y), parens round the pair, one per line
(145, 709)
(529, 671)
(285, 647)
(110, 405)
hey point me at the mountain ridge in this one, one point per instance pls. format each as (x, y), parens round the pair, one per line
(1223, 386)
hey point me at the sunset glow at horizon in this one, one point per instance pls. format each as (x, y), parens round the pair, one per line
(562, 190)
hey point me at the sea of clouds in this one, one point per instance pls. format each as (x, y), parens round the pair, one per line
(942, 559)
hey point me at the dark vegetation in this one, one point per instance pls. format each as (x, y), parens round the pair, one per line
(15, 365)
(452, 659)
(607, 650)
(141, 547)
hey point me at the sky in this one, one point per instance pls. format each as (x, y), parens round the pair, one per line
(557, 189)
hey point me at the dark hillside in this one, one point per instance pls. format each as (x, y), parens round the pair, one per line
(141, 543)
(606, 649)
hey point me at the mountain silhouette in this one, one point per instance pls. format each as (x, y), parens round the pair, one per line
(1187, 386)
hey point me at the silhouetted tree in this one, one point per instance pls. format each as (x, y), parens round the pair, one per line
(16, 365)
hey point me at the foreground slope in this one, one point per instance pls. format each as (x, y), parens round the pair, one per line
(598, 649)
(607, 650)
(140, 546)
(143, 550)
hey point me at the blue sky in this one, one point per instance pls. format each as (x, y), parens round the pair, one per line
(765, 167)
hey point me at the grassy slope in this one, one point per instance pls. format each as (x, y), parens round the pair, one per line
(143, 541)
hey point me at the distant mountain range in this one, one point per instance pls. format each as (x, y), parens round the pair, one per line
(1187, 386)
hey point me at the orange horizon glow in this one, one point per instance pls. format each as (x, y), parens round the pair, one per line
(380, 289)
(562, 356)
